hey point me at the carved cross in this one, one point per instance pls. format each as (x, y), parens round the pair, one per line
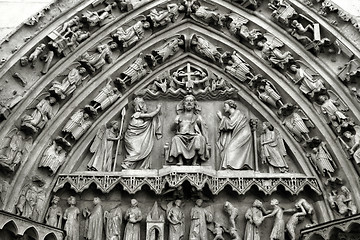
(188, 77)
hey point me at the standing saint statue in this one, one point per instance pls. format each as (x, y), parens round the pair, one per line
(140, 135)
(95, 222)
(113, 220)
(103, 147)
(176, 220)
(273, 149)
(53, 157)
(278, 230)
(235, 141)
(199, 217)
(191, 139)
(71, 216)
(133, 216)
(254, 218)
(54, 213)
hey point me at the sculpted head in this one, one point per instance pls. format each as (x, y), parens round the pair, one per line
(228, 104)
(71, 200)
(139, 105)
(178, 203)
(97, 200)
(115, 124)
(274, 202)
(189, 102)
(257, 203)
(199, 202)
(55, 199)
(267, 125)
(134, 202)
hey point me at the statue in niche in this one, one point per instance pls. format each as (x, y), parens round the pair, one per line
(53, 157)
(113, 223)
(270, 51)
(94, 61)
(330, 104)
(140, 135)
(103, 148)
(352, 142)
(131, 35)
(266, 91)
(14, 147)
(31, 202)
(100, 17)
(78, 124)
(133, 73)
(308, 83)
(105, 98)
(170, 48)
(350, 71)
(254, 218)
(238, 28)
(342, 201)
(199, 218)
(133, 216)
(233, 213)
(296, 121)
(164, 17)
(95, 221)
(71, 216)
(35, 54)
(191, 139)
(69, 84)
(207, 15)
(176, 219)
(44, 110)
(235, 141)
(278, 230)
(54, 214)
(207, 49)
(238, 68)
(273, 149)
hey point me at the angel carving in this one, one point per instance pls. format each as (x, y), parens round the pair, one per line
(68, 85)
(207, 15)
(165, 51)
(270, 51)
(94, 60)
(238, 27)
(131, 35)
(273, 149)
(352, 142)
(164, 17)
(53, 157)
(134, 72)
(207, 49)
(266, 91)
(239, 68)
(100, 17)
(330, 104)
(296, 121)
(14, 147)
(45, 108)
(307, 78)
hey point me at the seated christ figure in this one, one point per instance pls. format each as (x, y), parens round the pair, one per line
(190, 144)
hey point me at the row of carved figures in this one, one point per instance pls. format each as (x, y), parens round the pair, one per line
(99, 221)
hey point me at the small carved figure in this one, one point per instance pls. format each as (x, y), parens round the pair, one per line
(254, 218)
(71, 216)
(31, 202)
(199, 217)
(133, 216)
(68, 85)
(233, 213)
(218, 231)
(353, 143)
(100, 17)
(350, 71)
(102, 55)
(282, 11)
(266, 91)
(140, 135)
(7, 104)
(305, 206)
(67, 25)
(293, 222)
(296, 121)
(107, 96)
(164, 17)
(103, 147)
(308, 83)
(44, 110)
(95, 221)
(170, 48)
(237, 27)
(176, 219)
(54, 214)
(343, 202)
(273, 149)
(270, 52)
(278, 230)
(53, 157)
(133, 73)
(131, 35)
(238, 68)
(235, 141)
(36, 53)
(191, 139)
(207, 49)
(207, 15)
(113, 223)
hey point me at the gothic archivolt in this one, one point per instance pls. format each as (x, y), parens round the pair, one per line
(164, 101)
